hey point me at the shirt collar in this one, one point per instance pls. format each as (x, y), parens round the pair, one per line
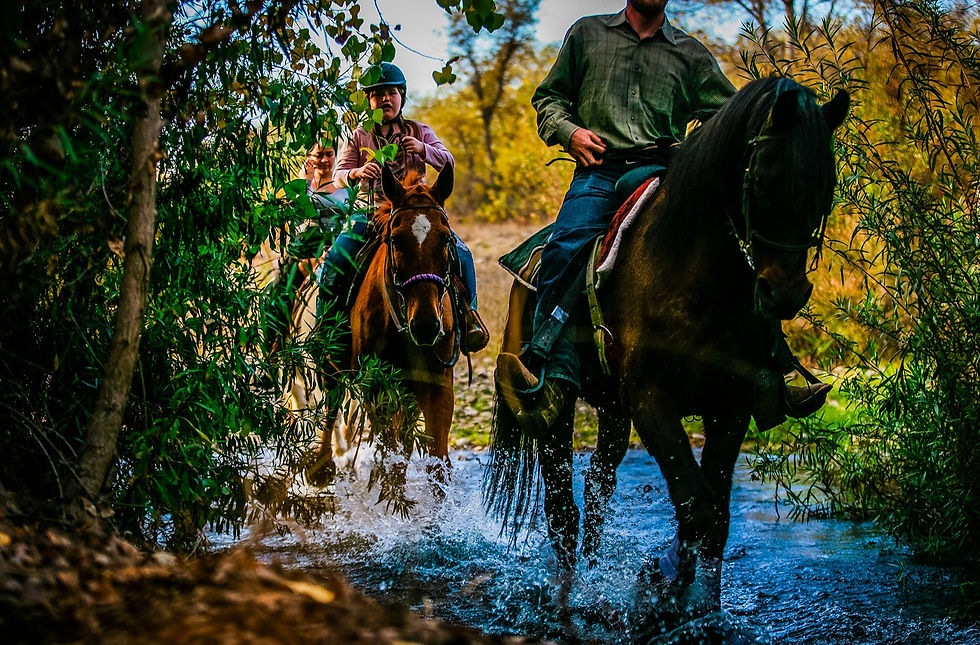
(668, 30)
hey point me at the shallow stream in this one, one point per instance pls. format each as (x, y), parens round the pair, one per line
(825, 581)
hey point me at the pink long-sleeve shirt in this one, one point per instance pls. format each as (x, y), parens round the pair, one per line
(354, 154)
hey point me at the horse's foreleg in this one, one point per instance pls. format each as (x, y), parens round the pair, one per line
(437, 403)
(600, 480)
(723, 440)
(659, 426)
(555, 456)
(323, 470)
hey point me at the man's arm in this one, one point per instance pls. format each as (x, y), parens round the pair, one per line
(713, 89)
(554, 99)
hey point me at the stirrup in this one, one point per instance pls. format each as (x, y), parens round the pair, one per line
(535, 402)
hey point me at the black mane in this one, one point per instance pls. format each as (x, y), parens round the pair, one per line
(705, 177)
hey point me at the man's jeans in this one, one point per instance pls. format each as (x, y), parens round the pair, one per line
(586, 211)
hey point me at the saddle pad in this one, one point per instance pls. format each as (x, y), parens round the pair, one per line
(525, 260)
(608, 250)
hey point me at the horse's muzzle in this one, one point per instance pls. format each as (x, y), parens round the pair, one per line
(425, 330)
(780, 303)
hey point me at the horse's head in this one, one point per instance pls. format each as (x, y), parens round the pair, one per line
(787, 194)
(419, 245)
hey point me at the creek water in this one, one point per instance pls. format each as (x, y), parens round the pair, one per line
(784, 581)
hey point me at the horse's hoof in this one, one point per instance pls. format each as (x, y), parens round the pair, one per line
(665, 579)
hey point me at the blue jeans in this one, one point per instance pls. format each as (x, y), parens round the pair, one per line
(585, 213)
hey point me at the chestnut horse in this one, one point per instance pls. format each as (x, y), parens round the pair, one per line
(406, 307)
(713, 262)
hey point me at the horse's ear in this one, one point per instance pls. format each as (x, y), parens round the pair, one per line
(393, 190)
(835, 109)
(783, 112)
(444, 184)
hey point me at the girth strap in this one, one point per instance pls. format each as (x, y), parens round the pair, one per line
(600, 333)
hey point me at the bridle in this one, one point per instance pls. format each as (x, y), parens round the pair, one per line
(752, 235)
(395, 288)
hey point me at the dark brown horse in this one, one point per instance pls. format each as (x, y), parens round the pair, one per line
(406, 307)
(718, 256)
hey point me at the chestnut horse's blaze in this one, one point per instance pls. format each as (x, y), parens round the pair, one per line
(715, 260)
(407, 305)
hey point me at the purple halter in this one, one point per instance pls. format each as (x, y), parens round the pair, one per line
(428, 277)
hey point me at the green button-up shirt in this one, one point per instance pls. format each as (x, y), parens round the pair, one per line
(628, 91)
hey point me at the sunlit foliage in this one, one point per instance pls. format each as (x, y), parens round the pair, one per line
(907, 316)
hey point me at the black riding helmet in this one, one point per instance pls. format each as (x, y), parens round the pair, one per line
(391, 76)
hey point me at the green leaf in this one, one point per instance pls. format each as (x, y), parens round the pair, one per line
(445, 75)
(387, 52)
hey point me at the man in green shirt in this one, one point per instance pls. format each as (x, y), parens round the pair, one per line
(622, 86)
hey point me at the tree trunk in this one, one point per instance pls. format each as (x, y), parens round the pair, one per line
(99, 450)
(487, 119)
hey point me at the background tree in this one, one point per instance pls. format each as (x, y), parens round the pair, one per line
(492, 65)
(527, 187)
(766, 14)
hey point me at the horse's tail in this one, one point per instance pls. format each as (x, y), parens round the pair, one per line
(510, 481)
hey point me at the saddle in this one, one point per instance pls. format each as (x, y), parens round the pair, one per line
(524, 262)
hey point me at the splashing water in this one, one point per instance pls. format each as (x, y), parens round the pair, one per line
(784, 582)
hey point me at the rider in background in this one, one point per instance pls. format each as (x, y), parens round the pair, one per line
(622, 85)
(418, 146)
(302, 253)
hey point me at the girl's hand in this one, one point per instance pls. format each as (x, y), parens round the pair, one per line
(413, 145)
(370, 170)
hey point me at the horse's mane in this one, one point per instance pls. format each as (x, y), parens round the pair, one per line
(414, 187)
(705, 174)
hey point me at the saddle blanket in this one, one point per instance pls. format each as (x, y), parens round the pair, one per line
(612, 242)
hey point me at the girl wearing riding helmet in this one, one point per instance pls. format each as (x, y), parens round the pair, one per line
(418, 146)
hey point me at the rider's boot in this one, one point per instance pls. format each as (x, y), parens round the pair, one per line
(475, 333)
(797, 401)
(535, 405)
(802, 401)
(775, 399)
(332, 287)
